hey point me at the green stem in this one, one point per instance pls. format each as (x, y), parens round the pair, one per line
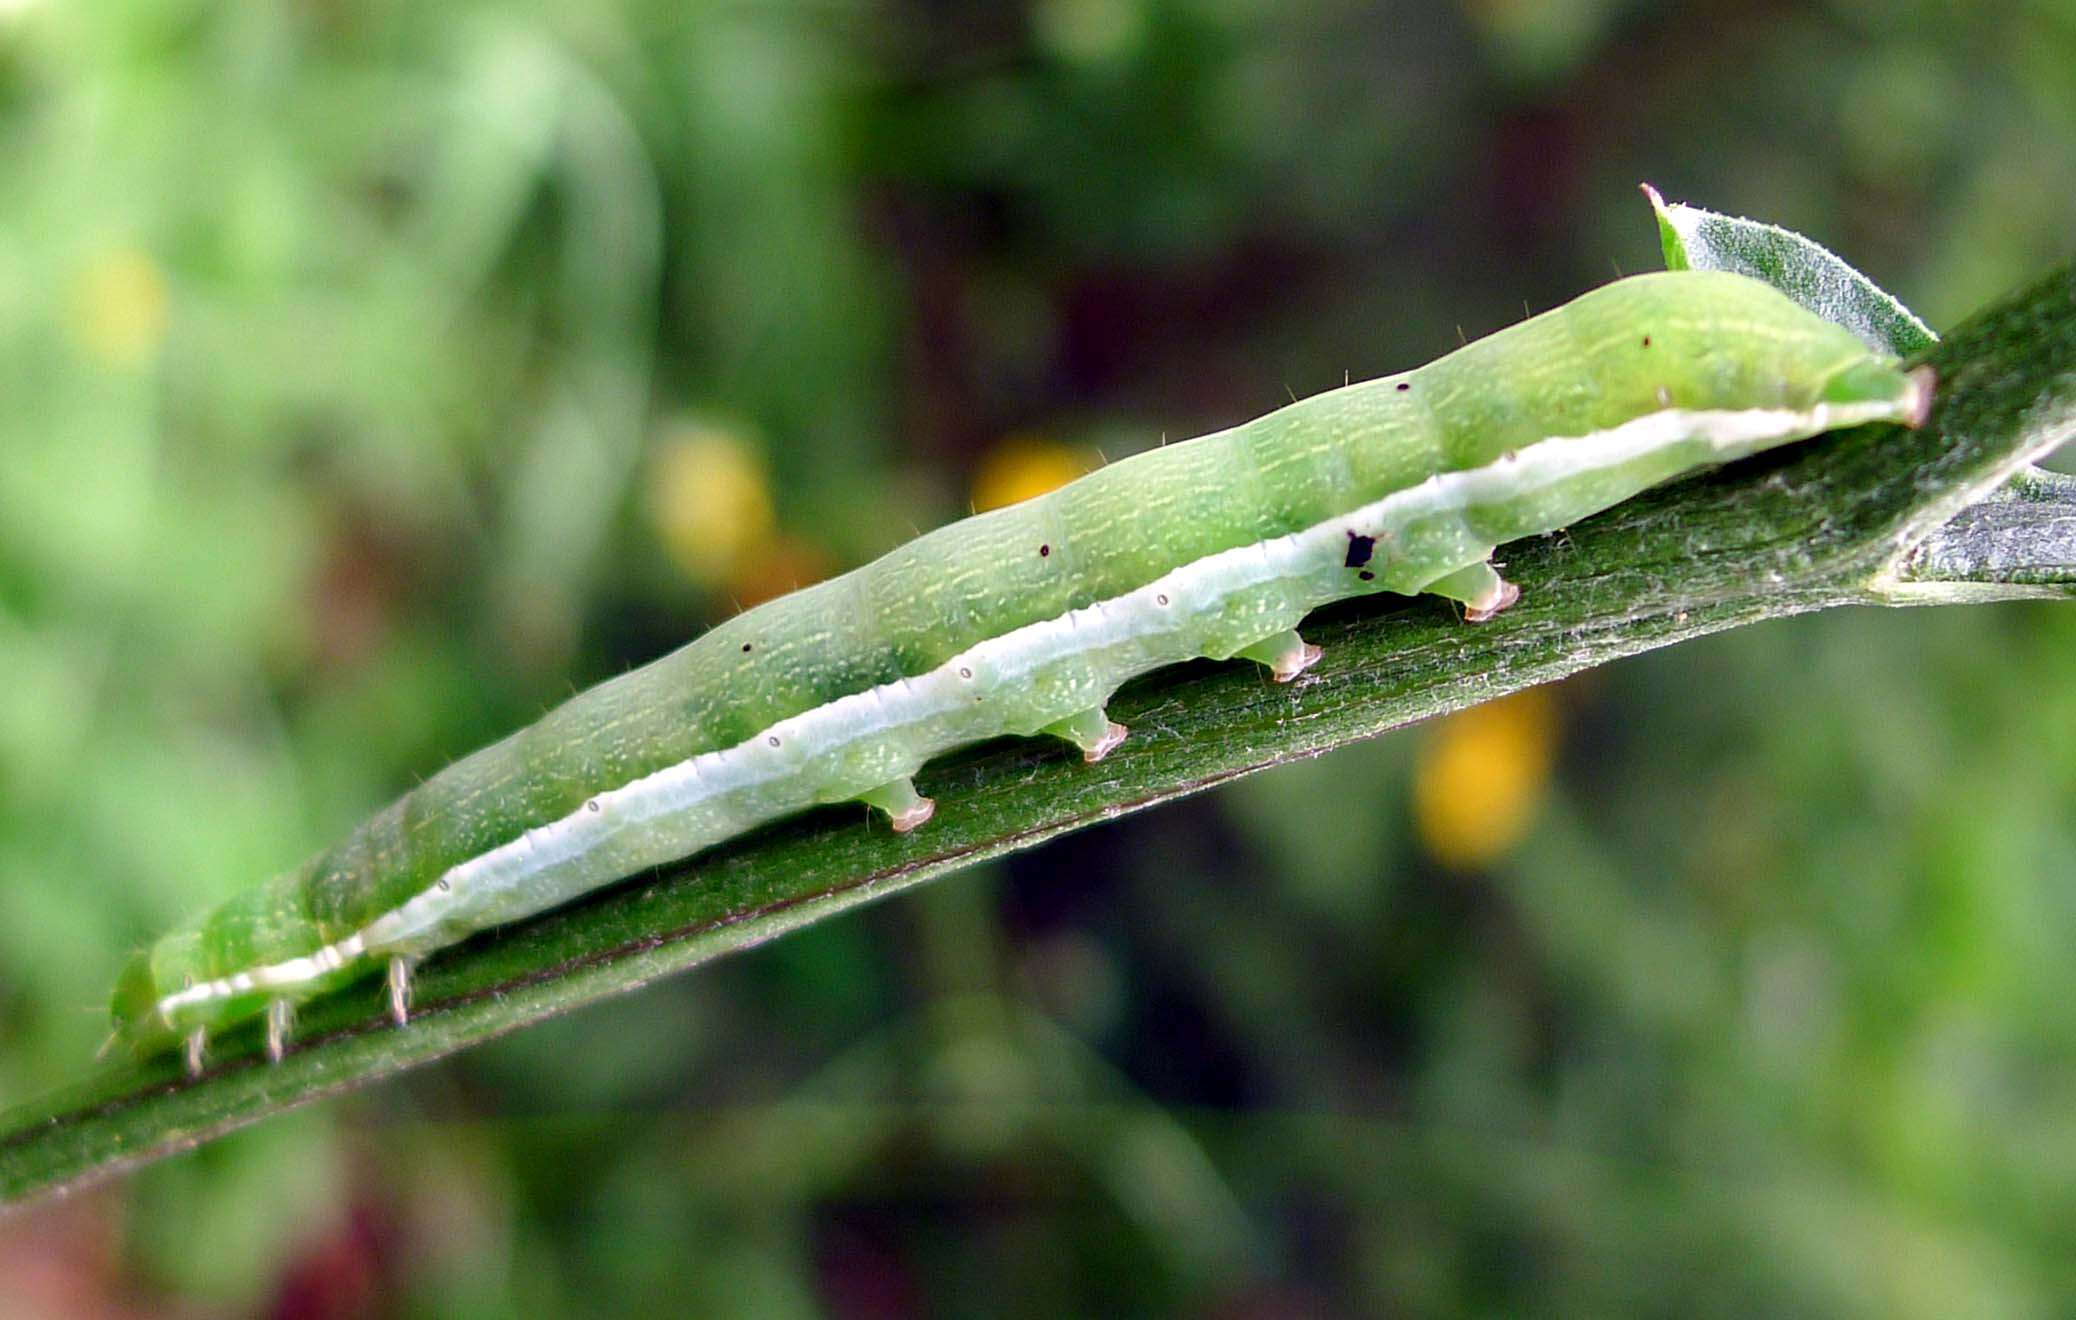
(1878, 515)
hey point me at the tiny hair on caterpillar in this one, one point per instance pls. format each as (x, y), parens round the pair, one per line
(1024, 620)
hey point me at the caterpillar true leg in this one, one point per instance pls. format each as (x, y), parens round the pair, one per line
(399, 991)
(197, 1045)
(1091, 730)
(281, 1015)
(1482, 591)
(1286, 654)
(905, 808)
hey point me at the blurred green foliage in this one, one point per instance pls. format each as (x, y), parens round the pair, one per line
(347, 344)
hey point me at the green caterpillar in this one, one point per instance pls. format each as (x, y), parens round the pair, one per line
(1025, 620)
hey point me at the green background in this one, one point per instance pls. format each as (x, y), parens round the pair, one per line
(344, 350)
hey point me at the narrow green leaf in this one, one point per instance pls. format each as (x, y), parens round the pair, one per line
(1812, 275)
(1831, 523)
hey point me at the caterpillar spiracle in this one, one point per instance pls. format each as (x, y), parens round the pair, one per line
(1024, 621)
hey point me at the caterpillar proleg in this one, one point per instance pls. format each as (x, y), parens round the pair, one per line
(1024, 621)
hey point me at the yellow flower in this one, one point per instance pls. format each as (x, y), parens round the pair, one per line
(118, 307)
(710, 501)
(1021, 466)
(1481, 777)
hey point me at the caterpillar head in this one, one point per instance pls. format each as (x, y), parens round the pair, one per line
(144, 1008)
(134, 1007)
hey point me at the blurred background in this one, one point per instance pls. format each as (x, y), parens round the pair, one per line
(376, 373)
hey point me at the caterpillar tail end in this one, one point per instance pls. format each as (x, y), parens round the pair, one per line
(1923, 381)
(1286, 654)
(1092, 731)
(906, 809)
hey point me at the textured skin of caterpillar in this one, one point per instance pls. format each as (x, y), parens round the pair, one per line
(1024, 620)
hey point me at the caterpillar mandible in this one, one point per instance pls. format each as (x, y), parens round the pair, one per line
(1025, 620)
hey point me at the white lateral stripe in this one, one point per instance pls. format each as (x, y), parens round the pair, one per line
(1189, 589)
(269, 976)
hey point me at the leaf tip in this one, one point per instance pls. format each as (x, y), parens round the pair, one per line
(1675, 248)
